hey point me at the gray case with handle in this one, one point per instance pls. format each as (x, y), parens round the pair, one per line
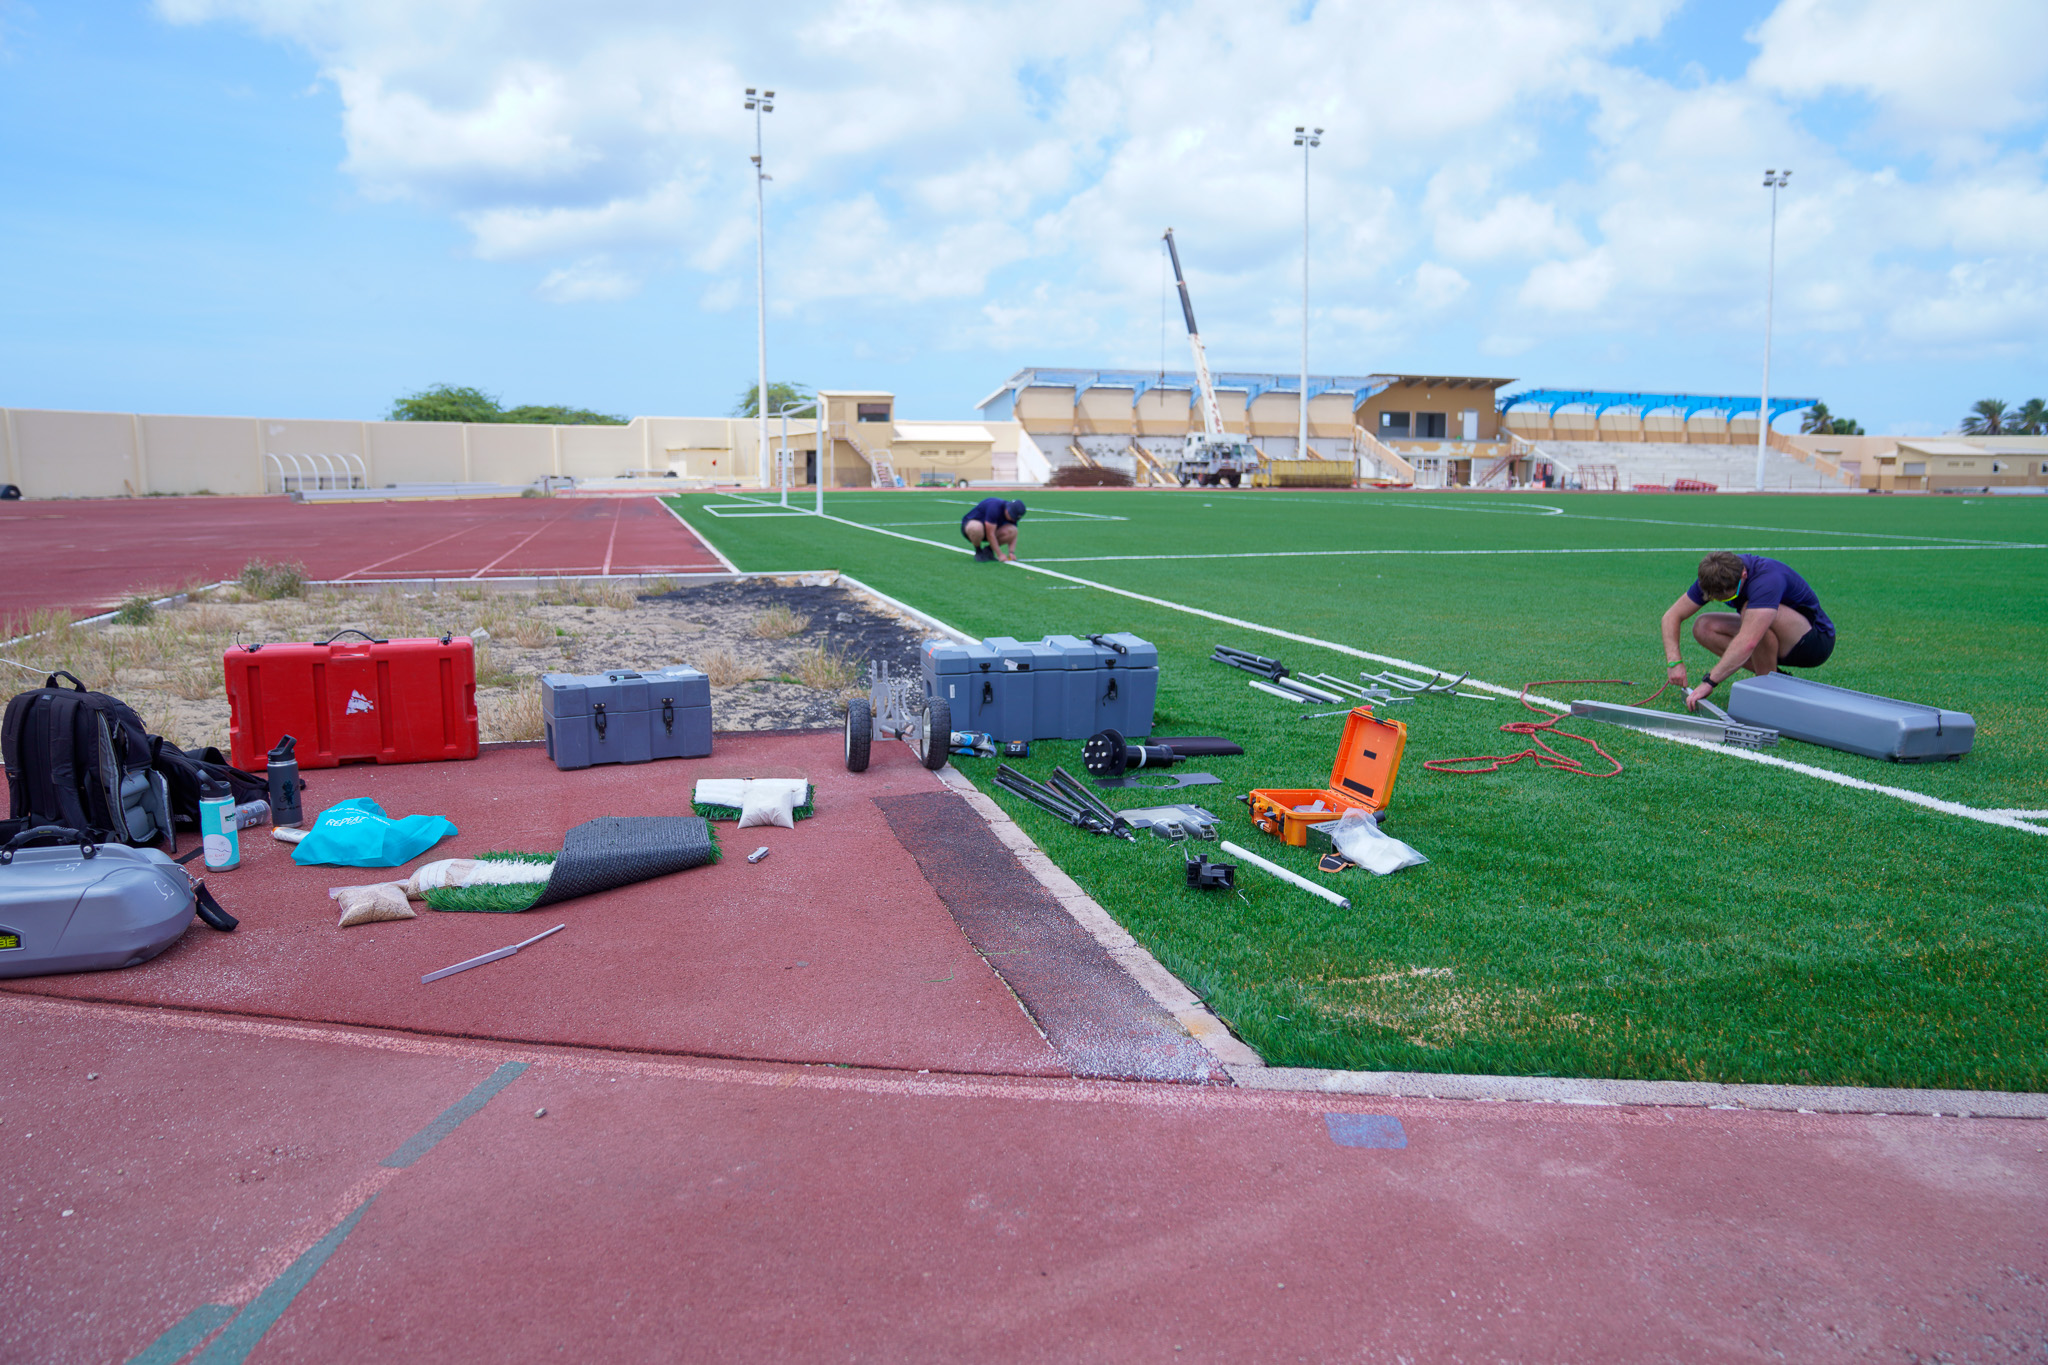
(87, 907)
(1854, 722)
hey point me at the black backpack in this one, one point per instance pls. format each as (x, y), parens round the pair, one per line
(185, 771)
(81, 760)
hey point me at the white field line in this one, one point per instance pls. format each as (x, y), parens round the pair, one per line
(1921, 799)
(730, 567)
(1620, 550)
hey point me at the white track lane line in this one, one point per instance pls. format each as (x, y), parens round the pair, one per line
(2000, 818)
(1622, 550)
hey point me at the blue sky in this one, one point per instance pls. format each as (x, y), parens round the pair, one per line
(309, 207)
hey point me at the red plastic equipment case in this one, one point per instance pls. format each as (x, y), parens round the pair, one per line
(353, 701)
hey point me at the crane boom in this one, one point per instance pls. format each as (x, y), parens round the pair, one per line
(1212, 415)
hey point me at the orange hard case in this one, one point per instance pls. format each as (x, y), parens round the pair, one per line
(1368, 761)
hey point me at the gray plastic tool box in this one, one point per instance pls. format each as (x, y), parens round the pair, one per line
(1073, 715)
(1855, 722)
(980, 691)
(1126, 684)
(626, 716)
(1034, 666)
(61, 911)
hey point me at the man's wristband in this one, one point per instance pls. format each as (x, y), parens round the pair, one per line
(1673, 663)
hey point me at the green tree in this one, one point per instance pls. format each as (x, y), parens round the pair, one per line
(1820, 422)
(556, 415)
(1988, 417)
(2031, 419)
(780, 395)
(447, 403)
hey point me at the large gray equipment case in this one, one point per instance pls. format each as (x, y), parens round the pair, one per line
(626, 717)
(1855, 722)
(1062, 687)
(88, 908)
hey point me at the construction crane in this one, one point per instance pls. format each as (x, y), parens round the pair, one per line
(1213, 457)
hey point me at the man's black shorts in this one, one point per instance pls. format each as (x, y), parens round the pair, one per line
(1812, 650)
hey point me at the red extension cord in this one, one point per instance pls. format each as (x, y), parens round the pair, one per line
(1545, 756)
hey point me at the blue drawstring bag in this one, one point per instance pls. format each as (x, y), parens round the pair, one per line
(357, 833)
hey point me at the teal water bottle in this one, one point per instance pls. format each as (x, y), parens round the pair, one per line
(217, 831)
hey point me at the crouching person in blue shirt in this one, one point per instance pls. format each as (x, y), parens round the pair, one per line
(1777, 622)
(991, 528)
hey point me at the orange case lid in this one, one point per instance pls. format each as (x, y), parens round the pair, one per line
(1368, 758)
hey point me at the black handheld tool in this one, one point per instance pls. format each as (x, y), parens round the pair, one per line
(1204, 875)
(1108, 754)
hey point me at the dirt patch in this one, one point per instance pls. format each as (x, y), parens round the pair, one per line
(783, 654)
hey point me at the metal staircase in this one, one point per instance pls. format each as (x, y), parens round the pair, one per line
(880, 470)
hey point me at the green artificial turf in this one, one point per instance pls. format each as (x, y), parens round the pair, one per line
(1698, 917)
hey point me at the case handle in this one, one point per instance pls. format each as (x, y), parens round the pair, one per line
(51, 681)
(373, 639)
(42, 833)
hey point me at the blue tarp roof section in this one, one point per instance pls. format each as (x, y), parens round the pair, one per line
(1003, 401)
(1602, 400)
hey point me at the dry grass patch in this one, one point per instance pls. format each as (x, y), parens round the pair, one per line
(264, 582)
(515, 715)
(197, 682)
(726, 669)
(779, 623)
(530, 632)
(826, 669)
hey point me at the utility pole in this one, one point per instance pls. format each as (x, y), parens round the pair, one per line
(1773, 181)
(759, 104)
(1304, 138)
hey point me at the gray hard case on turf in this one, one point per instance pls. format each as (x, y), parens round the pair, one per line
(626, 716)
(1854, 722)
(64, 911)
(979, 688)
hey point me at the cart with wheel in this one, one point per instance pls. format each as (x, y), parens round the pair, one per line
(896, 708)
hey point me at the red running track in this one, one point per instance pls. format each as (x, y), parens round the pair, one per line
(88, 555)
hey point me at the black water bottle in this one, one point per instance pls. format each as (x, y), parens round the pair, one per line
(285, 785)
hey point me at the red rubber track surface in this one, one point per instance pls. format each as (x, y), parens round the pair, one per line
(834, 948)
(88, 555)
(667, 1210)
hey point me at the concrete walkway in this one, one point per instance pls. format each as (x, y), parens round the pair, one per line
(792, 1113)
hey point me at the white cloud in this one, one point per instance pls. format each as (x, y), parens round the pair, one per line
(1436, 287)
(587, 281)
(998, 174)
(1935, 69)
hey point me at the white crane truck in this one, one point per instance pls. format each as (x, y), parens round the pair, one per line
(1212, 457)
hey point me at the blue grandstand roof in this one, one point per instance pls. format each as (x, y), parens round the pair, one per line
(1642, 404)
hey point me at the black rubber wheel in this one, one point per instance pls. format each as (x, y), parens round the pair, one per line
(935, 735)
(860, 734)
(1234, 477)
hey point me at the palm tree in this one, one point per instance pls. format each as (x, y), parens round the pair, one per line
(2031, 419)
(1817, 420)
(1988, 417)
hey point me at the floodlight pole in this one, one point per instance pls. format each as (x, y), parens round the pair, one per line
(1773, 181)
(759, 104)
(1304, 138)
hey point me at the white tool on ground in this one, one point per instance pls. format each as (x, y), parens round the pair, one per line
(1283, 874)
(1720, 728)
(488, 957)
(758, 854)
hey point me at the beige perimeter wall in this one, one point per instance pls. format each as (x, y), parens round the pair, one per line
(53, 454)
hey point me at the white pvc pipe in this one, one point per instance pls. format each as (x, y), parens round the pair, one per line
(1289, 696)
(1283, 874)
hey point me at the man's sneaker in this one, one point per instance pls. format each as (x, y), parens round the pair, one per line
(985, 553)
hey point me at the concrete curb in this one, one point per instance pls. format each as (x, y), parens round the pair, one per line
(1803, 1099)
(1168, 990)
